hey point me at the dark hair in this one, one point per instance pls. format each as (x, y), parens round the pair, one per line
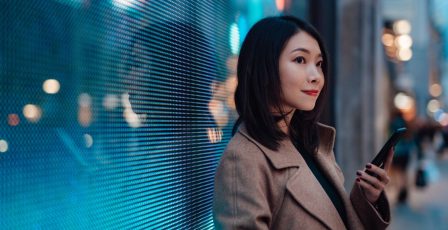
(259, 87)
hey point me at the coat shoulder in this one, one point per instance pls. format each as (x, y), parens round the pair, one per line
(242, 148)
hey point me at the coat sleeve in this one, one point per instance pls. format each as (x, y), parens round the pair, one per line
(372, 216)
(241, 191)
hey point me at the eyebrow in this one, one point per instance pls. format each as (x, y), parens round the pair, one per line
(304, 50)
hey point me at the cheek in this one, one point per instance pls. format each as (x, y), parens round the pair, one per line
(291, 84)
(294, 76)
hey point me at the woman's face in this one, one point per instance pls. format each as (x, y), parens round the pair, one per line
(301, 75)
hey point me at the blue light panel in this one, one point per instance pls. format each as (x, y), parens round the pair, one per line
(130, 140)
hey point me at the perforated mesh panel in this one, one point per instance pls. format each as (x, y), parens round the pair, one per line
(129, 132)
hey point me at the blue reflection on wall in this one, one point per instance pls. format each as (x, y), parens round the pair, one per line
(132, 137)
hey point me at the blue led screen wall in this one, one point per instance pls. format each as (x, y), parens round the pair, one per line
(114, 114)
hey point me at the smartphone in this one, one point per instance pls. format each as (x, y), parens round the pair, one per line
(380, 158)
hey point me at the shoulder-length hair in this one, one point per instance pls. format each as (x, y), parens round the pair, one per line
(259, 89)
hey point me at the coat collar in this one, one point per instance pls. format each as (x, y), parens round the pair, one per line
(303, 185)
(288, 156)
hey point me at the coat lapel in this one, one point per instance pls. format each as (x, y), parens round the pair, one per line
(308, 192)
(325, 158)
(303, 185)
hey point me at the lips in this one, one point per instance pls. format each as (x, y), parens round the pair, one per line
(313, 93)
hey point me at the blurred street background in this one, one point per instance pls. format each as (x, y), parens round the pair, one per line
(114, 113)
(426, 208)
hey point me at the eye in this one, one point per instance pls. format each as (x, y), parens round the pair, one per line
(319, 64)
(300, 60)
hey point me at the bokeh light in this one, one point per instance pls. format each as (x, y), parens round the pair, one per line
(387, 39)
(404, 54)
(402, 27)
(84, 109)
(88, 139)
(132, 118)
(124, 4)
(403, 41)
(214, 135)
(32, 113)
(442, 119)
(406, 105)
(234, 39)
(51, 86)
(13, 119)
(403, 101)
(433, 105)
(280, 4)
(3, 146)
(435, 90)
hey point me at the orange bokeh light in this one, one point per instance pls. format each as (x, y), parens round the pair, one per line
(13, 119)
(280, 4)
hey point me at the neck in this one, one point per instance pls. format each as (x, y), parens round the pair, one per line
(284, 123)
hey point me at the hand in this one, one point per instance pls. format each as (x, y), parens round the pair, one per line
(374, 185)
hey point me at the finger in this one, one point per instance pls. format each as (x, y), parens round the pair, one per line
(379, 172)
(372, 180)
(371, 192)
(389, 159)
(366, 186)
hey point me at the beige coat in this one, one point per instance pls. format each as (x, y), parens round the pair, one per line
(257, 188)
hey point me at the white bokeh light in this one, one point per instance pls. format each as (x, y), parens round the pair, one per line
(403, 41)
(124, 3)
(433, 105)
(88, 140)
(234, 39)
(3, 146)
(51, 86)
(32, 113)
(403, 101)
(133, 119)
(402, 27)
(404, 54)
(214, 135)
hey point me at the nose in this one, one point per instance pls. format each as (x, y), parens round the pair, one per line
(314, 75)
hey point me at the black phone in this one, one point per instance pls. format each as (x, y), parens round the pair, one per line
(380, 158)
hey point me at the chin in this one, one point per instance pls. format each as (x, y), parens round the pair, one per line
(307, 108)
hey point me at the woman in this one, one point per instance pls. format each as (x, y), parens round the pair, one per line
(279, 170)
